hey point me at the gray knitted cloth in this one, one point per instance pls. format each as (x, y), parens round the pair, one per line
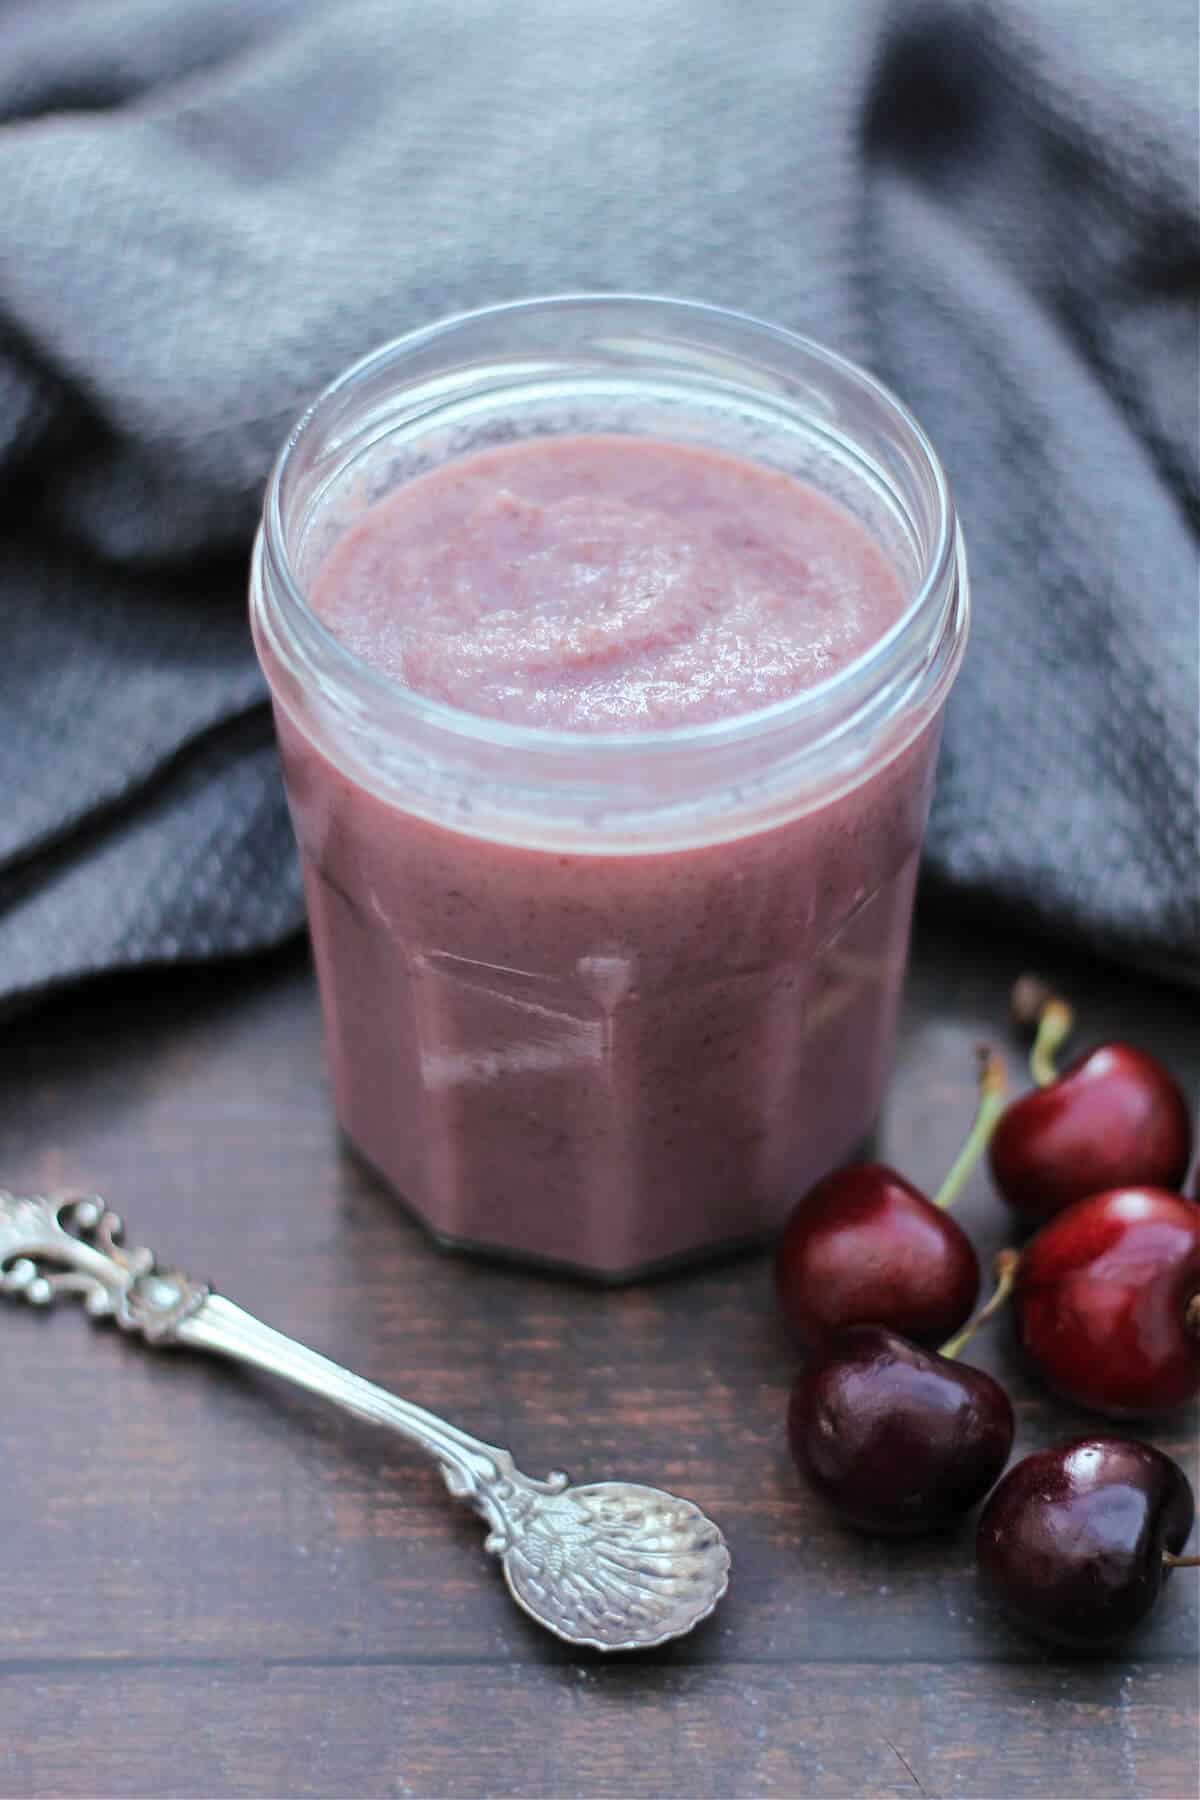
(207, 207)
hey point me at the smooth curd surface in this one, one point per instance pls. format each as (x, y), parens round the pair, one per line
(607, 584)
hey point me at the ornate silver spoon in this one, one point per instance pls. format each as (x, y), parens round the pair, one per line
(613, 1565)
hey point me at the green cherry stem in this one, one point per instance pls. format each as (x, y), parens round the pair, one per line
(1005, 1267)
(993, 1092)
(1051, 1020)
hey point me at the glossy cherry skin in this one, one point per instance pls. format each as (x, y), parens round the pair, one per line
(865, 1247)
(1104, 1302)
(898, 1439)
(1114, 1118)
(1071, 1542)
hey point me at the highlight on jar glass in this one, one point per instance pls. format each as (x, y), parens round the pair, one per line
(609, 639)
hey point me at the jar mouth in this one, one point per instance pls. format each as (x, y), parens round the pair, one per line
(503, 733)
(624, 361)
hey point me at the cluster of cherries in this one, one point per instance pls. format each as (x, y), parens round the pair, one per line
(1077, 1540)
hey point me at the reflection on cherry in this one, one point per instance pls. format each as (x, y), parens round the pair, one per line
(1078, 1540)
(898, 1439)
(867, 1247)
(1107, 1302)
(1114, 1117)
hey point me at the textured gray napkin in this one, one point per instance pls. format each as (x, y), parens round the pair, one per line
(207, 207)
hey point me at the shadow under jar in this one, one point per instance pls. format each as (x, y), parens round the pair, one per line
(608, 999)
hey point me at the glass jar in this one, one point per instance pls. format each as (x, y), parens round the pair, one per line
(608, 1001)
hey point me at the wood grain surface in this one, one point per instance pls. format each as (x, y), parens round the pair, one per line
(212, 1586)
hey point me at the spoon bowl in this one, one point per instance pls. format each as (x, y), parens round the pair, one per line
(615, 1566)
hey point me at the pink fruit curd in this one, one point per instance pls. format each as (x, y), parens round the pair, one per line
(607, 1060)
(607, 584)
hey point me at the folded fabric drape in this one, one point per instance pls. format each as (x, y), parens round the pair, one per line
(208, 209)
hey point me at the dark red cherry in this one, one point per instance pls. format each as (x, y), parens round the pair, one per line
(1113, 1118)
(866, 1247)
(1107, 1301)
(1077, 1540)
(898, 1439)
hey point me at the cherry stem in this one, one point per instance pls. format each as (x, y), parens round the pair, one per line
(1005, 1267)
(1191, 1316)
(993, 1091)
(1049, 1017)
(1180, 1562)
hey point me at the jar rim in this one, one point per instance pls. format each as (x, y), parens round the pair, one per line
(650, 742)
(670, 788)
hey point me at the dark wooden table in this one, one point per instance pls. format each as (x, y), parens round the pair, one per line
(211, 1585)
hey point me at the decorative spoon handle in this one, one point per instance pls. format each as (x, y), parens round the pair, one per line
(615, 1566)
